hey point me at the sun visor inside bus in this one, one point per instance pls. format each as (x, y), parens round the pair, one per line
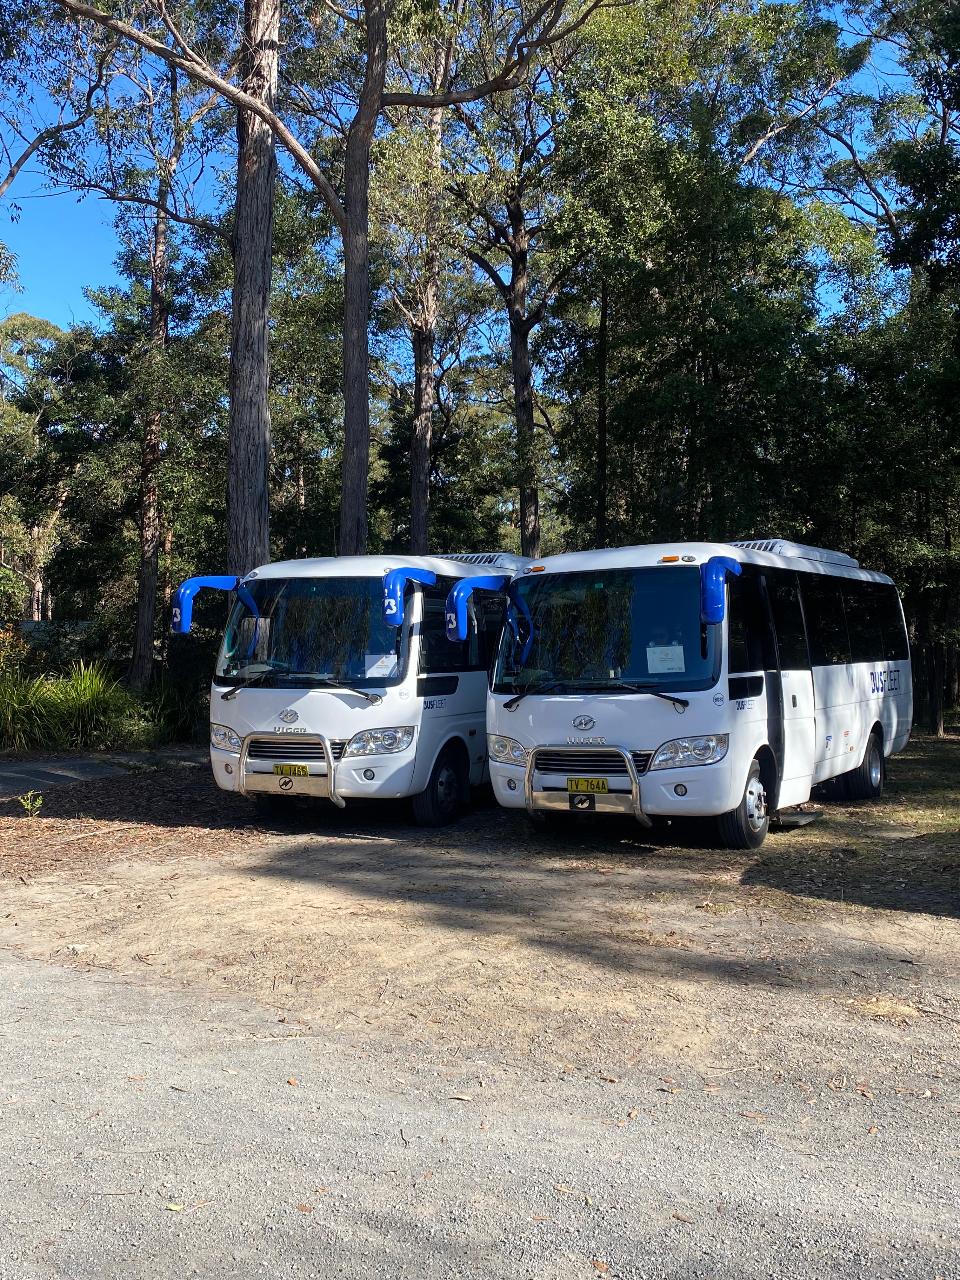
(183, 600)
(713, 581)
(394, 585)
(456, 609)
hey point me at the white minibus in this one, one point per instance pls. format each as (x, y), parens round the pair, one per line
(335, 680)
(693, 680)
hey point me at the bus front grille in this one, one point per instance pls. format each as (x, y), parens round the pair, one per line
(292, 750)
(609, 764)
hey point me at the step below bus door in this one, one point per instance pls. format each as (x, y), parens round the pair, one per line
(799, 737)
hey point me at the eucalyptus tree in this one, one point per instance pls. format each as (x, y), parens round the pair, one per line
(246, 77)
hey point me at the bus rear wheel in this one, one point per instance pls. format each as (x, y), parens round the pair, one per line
(746, 826)
(447, 792)
(866, 781)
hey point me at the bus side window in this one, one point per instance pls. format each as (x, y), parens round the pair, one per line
(896, 646)
(864, 622)
(437, 654)
(489, 610)
(788, 620)
(750, 641)
(826, 620)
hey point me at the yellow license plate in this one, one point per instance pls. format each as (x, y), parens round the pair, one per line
(588, 786)
(291, 770)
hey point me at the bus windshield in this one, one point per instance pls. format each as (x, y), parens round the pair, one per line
(289, 631)
(607, 628)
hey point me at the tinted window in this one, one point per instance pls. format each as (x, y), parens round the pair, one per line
(784, 594)
(437, 653)
(864, 608)
(749, 636)
(826, 620)
(896, 647)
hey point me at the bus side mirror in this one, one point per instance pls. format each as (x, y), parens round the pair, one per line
(456, 607)
(183, 600)
(713, 582)
(394, 585)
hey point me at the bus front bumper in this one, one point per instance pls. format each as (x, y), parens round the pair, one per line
(329, 779)
(697, 791)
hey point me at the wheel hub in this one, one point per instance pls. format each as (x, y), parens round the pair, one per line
(756, 804)
(447, 789)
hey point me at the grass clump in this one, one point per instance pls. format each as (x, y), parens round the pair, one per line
(86, 709)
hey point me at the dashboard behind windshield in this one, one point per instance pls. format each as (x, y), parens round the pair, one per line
(285, 631)
(600, 628)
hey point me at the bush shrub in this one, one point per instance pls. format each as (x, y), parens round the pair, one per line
(87, 709)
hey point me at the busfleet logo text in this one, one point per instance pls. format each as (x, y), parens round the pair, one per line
(885, 681)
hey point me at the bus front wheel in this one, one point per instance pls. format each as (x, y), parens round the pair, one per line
(447, 792)
(746, 826)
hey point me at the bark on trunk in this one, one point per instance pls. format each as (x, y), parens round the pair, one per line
(423, 336)
(602, 360)
(526, 455)
(248, 454)
(520, 326)
(141, 661)
(356, 285)
(420, 444)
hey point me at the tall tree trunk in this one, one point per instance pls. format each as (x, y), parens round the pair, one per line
(520, 326)
(526, 454)
(423, 336)
(356, 287)
(602, 360)
(248, 454)
(424, 388)
(141, 662)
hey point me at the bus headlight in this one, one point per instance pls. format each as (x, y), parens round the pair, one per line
(222, 736)
(686, 751)
(379, 742)
(506, 750)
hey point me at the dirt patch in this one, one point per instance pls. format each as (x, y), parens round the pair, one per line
(599, 949)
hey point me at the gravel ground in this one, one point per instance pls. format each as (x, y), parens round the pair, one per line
(151, 1134)
(341, 1046)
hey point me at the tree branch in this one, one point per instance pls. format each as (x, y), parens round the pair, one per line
(203, 73)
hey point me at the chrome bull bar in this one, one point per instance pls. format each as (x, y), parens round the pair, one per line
(608, 802)
(317, 785)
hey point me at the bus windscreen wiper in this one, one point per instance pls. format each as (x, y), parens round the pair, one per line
(547, 687)
(307, 676)
(623, 686)
(256, 678)
(325, 682)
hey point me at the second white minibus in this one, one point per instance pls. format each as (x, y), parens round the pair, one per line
(335, 680)
(693, 680)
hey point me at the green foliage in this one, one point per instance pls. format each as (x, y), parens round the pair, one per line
(89, 710)
(31, 802)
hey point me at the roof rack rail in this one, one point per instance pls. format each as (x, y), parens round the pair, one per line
(778, 547)
(491, 559)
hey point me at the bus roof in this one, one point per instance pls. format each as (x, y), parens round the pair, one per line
(767, 551)
(446, 566)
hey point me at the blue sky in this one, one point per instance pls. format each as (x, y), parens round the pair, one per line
(62, 246)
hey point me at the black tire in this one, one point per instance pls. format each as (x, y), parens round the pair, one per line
(746, 826)
(866, 781)
(447, 793)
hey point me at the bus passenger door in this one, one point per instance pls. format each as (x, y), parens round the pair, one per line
(796, 679)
